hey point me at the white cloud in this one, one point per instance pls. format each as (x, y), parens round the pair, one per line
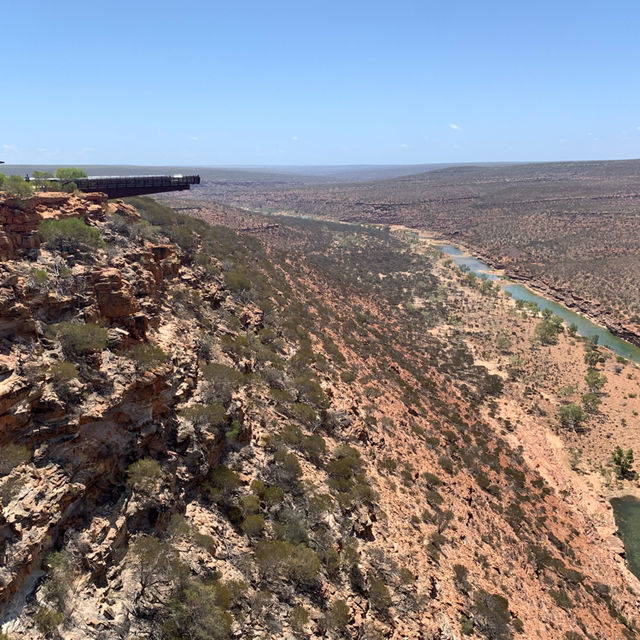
(637, 128)
(9, 147)
(455, 127)
(295, 138)
(194, 138)
(404, 146)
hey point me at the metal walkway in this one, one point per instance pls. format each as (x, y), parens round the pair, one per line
(123, 186)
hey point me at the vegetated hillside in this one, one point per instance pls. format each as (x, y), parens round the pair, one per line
(206, 437)
(572, 229)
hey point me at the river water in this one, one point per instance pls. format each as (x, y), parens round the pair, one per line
(627, 514)
(519, 292)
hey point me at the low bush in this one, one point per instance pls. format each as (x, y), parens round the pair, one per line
(16, 186)
(70, 234)
(298, 563)
(491, 615)
(147, 355)
(47, 620)
(79, 339)
(199, 612)
(338, 616)
(379, 595)
(63, 371)
(253, 524)
(205, 416)
(143, 475)
(40, 277)
(221, 483)
(298, 618)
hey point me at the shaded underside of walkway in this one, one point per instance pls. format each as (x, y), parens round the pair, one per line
(124, 186)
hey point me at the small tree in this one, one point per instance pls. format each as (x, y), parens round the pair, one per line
(590, 402)
(70, 173)
(571, 416)
(155, 562)
(622, 461)
(595, 381)
(546, 332)
(42, 179)
(60, 580)
(591, 358)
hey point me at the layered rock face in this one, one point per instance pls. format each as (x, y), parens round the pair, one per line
(19, 219)
(198, 443)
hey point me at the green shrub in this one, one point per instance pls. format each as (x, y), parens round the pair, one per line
(446, 463)
(70, 234)
(47, 620)
(434, 498)
(304, 413)
(314, 448)
(10, 488)
(298, 563)
(298, 618)
(209, 416)
(60, 579)
(199, 612)
(388, 464)
(79, 339)
(143, 475)
(622, 461)
(253, 525)
(571, 416)
(221, 381)
(237, 280)
(466, 625)
(310, 391)
(461, 575)
(272, 495)
(561, 598)
(16, 186)
(63, 371)
(338, 616)
(491, 615)
(40, 276)
(379, 595)
(431, 479)
(12, 455)
(221, 483)
(70, 173)
(288, 470)
(147, 355)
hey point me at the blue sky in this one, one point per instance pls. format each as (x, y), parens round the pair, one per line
(197, 82)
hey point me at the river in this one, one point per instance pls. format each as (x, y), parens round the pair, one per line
(519, 292)
(627, 514)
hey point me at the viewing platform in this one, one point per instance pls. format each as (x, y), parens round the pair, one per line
(124, 186)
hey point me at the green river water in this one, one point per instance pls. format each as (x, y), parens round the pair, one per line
(519, 292)
(627, 514)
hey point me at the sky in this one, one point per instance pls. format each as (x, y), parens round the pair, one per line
(314, 83)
